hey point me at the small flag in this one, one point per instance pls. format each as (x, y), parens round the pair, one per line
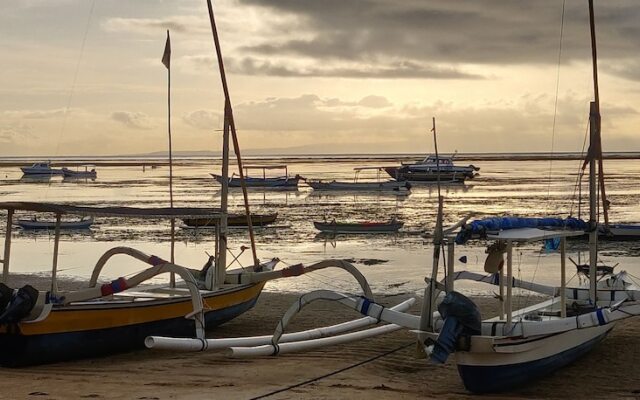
(166, 57)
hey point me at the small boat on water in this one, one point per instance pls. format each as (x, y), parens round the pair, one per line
(427, 170)
(34, 223)
(358, 227)
(233, 220)
(279, 182)
(86, 174)
(361, 185)
(41, 168)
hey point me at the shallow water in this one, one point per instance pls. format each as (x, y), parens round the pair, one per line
(401, 261)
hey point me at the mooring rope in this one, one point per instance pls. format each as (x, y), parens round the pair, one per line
(308, 381)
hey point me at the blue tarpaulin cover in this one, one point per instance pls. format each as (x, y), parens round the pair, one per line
(482, 226)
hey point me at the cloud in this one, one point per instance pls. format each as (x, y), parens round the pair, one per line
(398, 69)
(203, 119)
(134, 120)
(374, 102)
(151, 26)
(453, 32)
(15, 132)
(40, 114)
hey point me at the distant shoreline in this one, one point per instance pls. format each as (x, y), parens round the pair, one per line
(161, 160)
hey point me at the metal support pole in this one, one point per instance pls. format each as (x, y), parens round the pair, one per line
(450, 264)
(7, 247)
(501, 283)
(509, 284)
(563, 277)
(54, 270)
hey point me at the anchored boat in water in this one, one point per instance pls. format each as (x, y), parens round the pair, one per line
(41, 168)
(361, 185)
(34, 223)
(335, 227)
(427, 170)
(278, 182)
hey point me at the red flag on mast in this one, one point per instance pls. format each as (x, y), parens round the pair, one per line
(166, 57)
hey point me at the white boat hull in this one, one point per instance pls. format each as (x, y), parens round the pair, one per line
(494, 365)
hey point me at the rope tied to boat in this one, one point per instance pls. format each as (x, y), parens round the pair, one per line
(115, 286)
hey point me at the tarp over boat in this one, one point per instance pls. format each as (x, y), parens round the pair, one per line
(483, 226)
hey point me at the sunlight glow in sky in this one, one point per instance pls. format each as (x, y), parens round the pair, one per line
(331, 76)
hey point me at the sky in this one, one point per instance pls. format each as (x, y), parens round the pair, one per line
(84, 77)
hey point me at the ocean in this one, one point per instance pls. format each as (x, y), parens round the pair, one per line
(393, 263)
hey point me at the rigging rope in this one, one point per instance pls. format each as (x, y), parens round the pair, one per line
(75, 76)
(555, 106)
(308, 381)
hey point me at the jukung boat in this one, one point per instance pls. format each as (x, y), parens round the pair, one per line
(427, 170)
(358, 227)
(80, 174)
(278, 182)
(50, 324)
(234, 220)
(34, 223)
(361, 185)
(41, 168)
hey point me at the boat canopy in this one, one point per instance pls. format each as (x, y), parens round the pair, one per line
(136, 212)
(485, 226)
(532, 234)
(281, 166)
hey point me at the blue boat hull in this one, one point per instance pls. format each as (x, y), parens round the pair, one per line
(492, 379)
(19, 350)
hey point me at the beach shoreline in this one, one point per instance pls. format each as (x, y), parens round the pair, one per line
(385, 367)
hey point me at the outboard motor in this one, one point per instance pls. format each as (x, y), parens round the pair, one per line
(20, 306)
(461, 320)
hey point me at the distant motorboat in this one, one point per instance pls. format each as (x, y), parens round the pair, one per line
(233, 220)
(358, 227)
(428, 170)
(87, 173)
(41, 168)
(84, 223)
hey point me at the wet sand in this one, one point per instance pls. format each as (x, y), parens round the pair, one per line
(610, 371)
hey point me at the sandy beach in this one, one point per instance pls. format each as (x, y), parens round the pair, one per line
(385, 367)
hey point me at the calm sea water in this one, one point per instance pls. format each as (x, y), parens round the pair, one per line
(392, 263)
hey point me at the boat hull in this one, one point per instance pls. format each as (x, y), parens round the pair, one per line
(103, 328)
(329, 227)
(280, 182)
(407, 174)
(357, 186)
(29, 224)
(41, 171)
(234, 220)
(501, 371)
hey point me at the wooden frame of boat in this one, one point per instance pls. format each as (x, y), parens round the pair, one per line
(359, 185)
(282, 182)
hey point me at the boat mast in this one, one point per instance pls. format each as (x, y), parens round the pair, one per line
(229, 126)
(594, 155)
(166, 60)
(429, 299)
